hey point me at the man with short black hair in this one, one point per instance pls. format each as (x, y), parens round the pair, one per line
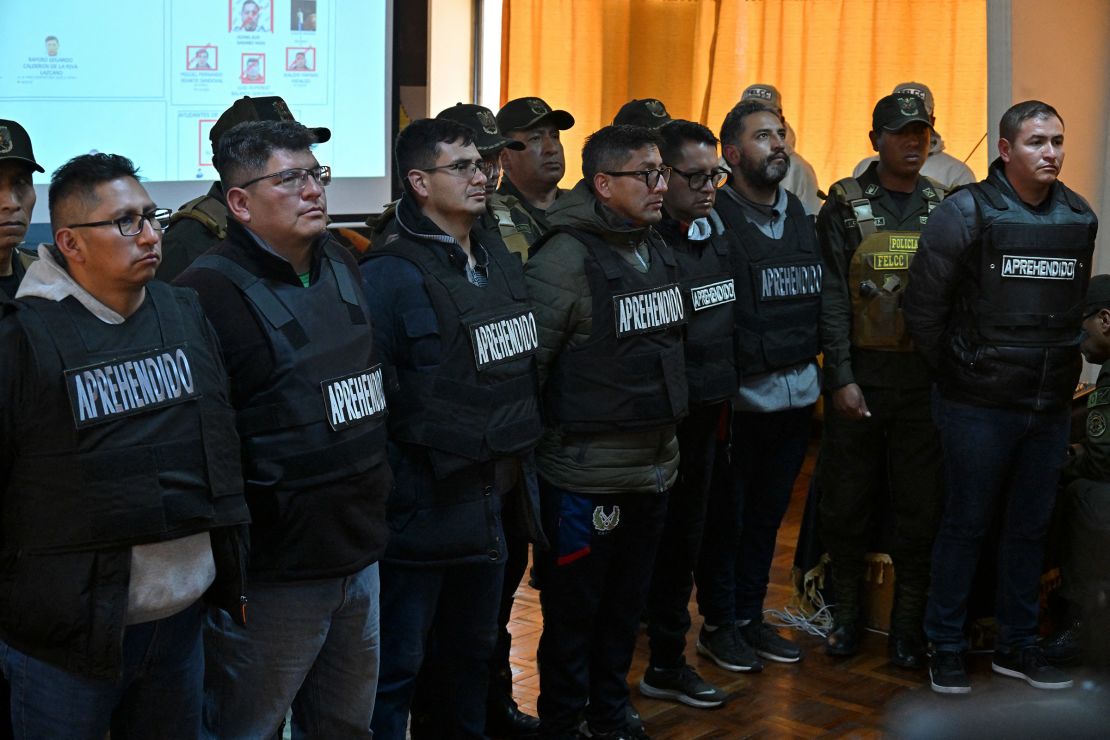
(880, 441)
(17, 201)
(532, 175)
(201, 223)
(996, 305)
(779, 275)
(296, 339)
(801, 178)
(703, 251)
(119, 474)
(455, 333)
(610, 313)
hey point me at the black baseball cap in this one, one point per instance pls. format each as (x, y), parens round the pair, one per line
(16, 144)
(480, 120)
(1098, 295)
(525, 113)
(645, 112)
(895, 112)
(246, 108)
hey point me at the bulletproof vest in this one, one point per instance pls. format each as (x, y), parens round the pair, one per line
(208, 211)
(879, 272)
(320, 417)
(709, 290)
(1033, 268)
(779, 301)
(19, 268)
(631, 373)
(126, 442)
(480, 403)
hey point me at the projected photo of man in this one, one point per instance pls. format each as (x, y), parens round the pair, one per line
(202, 58)
(300, 60)
(254, 69)
(252, 16)
(52, 46)
(302, 15)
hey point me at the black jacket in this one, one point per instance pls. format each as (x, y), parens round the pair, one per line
(945, 290)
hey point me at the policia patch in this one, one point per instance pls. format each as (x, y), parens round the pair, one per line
(121, 387)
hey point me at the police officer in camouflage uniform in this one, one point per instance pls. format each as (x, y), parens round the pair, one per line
(877, 418)
(1085, 569)
(532, 175)
(201, 224)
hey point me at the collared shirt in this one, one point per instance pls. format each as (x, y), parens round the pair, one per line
(786, 388)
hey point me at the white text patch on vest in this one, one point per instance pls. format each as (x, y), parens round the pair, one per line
(503, 340)
(1040, 268)
(131, 385)
(714, 294)
(354, 399)
(789, 281)
(649, 310)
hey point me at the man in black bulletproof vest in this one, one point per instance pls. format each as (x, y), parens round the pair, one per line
(779, 273)
(455, 332)
(121, 491)
(284, 299)
(610, 311)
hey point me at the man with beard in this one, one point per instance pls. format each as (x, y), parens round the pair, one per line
(532, 175)
(879, 437)
(704, 255)
(996, 304)
(778, 277)
(609, 311)
(801, 178)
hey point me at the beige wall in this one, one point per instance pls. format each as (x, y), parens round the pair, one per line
(1060, 53)
(450, 53)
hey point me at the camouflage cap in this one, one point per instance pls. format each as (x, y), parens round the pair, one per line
(526, 113)
(646, 113)
(246, 108)
(480, 120)
(895, 112)
(766, 94)
(16, 144)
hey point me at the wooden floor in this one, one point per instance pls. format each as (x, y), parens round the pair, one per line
(860, 697)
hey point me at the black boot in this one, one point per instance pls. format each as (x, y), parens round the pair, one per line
(906, 646)
(1065, 646)
(503, 717)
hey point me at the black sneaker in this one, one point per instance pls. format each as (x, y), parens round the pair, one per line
(767, 643)
(1030, 665)
(683, 685)
(1066, 645)
(947, 674)
(726, 647)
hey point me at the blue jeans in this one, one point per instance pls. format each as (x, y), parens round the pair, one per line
(994, 457)
(309, 645)
(745, 512)
(158, 695)
(460, 604)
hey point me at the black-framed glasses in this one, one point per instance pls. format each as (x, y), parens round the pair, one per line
(294, 180)
(651, 177)
(131, 224)
(464, 168)
(698, 180)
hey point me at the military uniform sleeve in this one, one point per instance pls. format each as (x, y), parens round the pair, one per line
(1092, 455)
(560, 292)
(836, 303)
(935, 272)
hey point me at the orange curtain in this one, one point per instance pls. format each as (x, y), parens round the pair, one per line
(830, 59)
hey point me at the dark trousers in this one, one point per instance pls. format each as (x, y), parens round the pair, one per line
(673, 577)
(994, 457)
(458, 602)
(743, 518)
(595, 582)
(899, 441)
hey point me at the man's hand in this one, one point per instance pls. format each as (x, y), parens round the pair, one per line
(849, 402)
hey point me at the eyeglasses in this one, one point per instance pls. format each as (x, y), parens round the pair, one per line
(651, 177)
(465, 168)
(294, 180)
(698, 179)
(132, 223)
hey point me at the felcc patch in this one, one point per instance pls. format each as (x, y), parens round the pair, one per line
(1098, 397)
(1096, 424)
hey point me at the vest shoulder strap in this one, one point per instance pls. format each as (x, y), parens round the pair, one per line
(849, 193)
(206, 210)
(986, 192)
(249, 285)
